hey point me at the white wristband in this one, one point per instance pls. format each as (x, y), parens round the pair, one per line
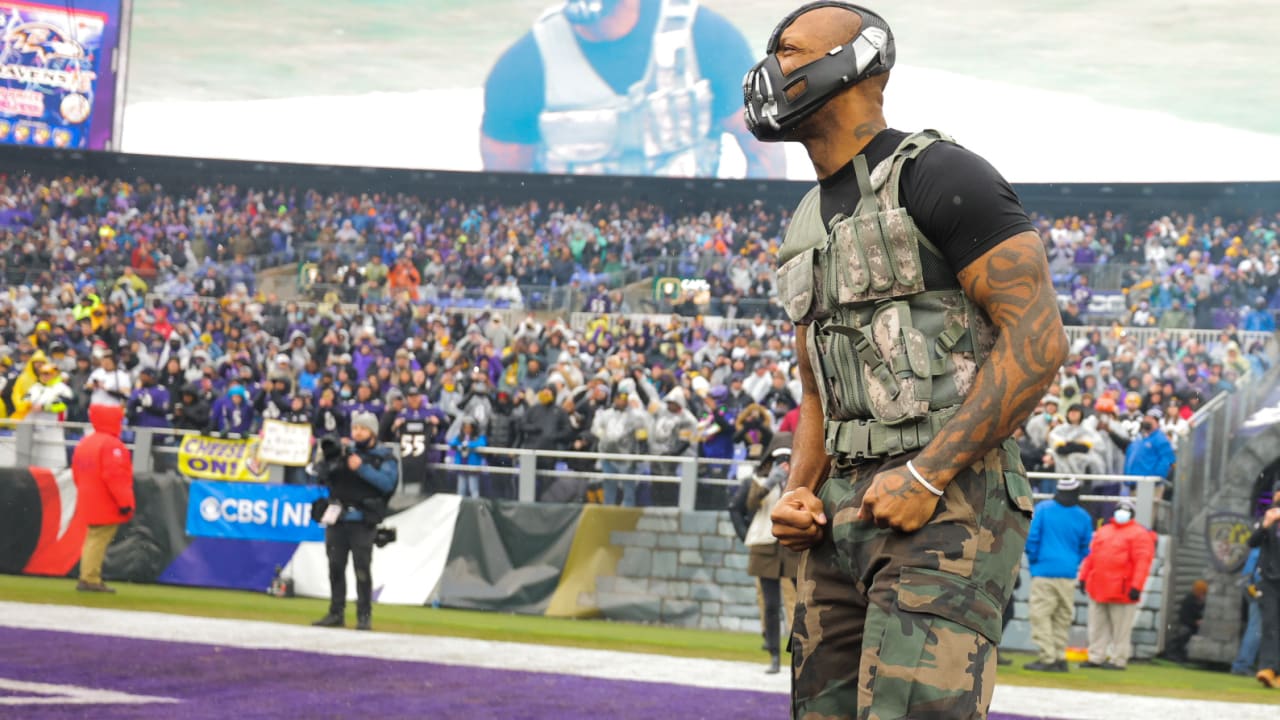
(920, 479)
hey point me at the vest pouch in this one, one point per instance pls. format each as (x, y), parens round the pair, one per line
(895, 366)
(677, 119)
(797, 286)
(838, 368)
(845, 267)
(578, 136)
(903, 250)
(871, 241)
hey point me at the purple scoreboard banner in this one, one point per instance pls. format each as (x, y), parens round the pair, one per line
(58, 65)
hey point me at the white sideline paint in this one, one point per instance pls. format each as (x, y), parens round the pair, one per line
(604, 664)
(49, 694)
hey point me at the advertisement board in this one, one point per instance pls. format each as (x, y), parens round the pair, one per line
(253, 512)
(59, 67)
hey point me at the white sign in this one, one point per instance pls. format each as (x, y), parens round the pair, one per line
(285, 444)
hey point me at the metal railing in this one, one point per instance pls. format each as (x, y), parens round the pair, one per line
(1203, 456)
(1143, 335)
(580, 321)
(690, 475)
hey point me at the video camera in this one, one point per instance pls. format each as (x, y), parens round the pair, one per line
(331, 448)
(384, 536)
(333, 457)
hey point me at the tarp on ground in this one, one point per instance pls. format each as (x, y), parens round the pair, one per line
(476, 554)
(157, 534)
(593, 555)
(23, 529)
(44, 530)
(507, 556)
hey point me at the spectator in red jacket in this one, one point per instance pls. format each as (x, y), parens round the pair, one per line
(1113, 576)
(103, 472)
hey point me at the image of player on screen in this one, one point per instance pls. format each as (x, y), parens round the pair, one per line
(622, 87)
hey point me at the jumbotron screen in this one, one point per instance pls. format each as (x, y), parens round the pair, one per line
(1048, 92)
(58, 73)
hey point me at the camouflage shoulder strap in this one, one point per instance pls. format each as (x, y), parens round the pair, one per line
(888, 174)
(909, 149)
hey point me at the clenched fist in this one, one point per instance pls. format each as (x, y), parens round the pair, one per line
(798, 519)
(895, 500)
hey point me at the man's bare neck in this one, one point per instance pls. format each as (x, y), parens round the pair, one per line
(835, 149)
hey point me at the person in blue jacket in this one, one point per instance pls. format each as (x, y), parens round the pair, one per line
(361, 482)
(1150, 453)
(1252, 638)
(1058, 542)
(464, 446)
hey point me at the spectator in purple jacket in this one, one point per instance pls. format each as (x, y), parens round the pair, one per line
(236, 415)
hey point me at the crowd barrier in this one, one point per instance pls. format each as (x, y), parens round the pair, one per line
(688, 483)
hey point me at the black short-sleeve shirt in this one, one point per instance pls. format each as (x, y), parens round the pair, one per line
(957, 199)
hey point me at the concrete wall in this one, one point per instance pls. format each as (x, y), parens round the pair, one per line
(689, 569)
(681, 568)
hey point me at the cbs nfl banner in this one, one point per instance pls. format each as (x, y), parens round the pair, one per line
(254, 512)
(211, 458)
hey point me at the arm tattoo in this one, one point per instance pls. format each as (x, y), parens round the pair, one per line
(901, 487)
(1011, 283)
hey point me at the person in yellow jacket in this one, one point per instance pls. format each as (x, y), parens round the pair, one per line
(46, 401)
(89, 302)
(40, 338)
(90, 308)
(23, 383)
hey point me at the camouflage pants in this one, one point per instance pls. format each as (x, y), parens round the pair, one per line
(891, 625)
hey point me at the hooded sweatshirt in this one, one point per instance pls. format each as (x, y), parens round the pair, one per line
(103, 470)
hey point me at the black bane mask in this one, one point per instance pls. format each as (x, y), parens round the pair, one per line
(776, 103)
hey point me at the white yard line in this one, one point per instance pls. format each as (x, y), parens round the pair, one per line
(34, 693)
(604, 664)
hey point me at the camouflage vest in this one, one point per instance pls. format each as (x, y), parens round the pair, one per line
(660, 126)
(893, 362)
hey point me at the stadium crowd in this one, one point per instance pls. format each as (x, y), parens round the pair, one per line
(1178, 270)
(144, 298)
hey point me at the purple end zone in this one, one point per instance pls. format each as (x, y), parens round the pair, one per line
(223, 682)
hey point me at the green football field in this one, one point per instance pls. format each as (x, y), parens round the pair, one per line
(1157, 678)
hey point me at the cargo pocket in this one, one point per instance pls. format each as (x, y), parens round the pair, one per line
(895, 366)
(935, 654)
(951, 597)
(1013, 475)
(1018, 487)
(796, 286)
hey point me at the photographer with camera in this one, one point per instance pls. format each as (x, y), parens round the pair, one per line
(361, 476)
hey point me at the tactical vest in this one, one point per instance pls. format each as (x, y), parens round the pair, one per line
(660, 126)
(892, 361)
